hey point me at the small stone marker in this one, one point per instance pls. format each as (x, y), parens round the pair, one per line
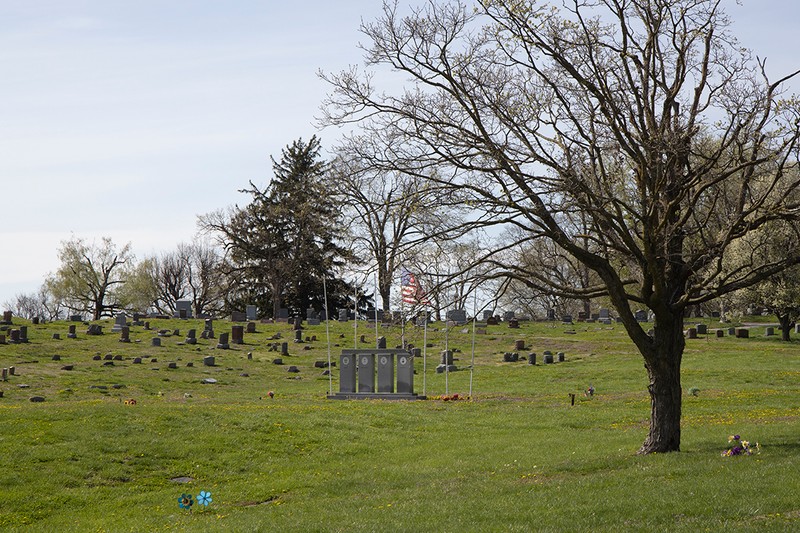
(251, 327)
(223, 341)
(208, 360)
(56, 337)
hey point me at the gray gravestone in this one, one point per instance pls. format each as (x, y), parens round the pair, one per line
(459, 316)
(343, 315)
(283, 315)
(385, 372)
(405, 373)
(191, 336)
(183, 309)
(120, 322)
(238, 316)
(252, 312)
(125, 334)
(702, 329)
(366, 372)
(223, 341)
(347, 373)
(156, 341)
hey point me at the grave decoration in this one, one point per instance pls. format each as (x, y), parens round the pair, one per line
(737, 446)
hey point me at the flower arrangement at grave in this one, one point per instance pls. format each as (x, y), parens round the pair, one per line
(589, 392)
(737, 446)
(187, 500)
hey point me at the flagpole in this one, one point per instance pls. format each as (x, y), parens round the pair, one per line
(376, 308)
(355, 319)
(474, 325)
(425, 352)
(328, 335)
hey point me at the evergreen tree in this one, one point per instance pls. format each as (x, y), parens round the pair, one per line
(284, 242)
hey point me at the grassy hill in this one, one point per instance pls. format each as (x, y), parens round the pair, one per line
(113, 447)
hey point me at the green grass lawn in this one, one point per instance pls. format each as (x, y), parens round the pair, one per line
(517, 457)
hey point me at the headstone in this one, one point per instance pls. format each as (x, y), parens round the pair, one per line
(251, 327)
(532, 358)
(94, 329)
(56, 336)
(120, 321)
(742, 333)
(732, 332)
(446, 362)
(284, 348)
(561, 357)
(223, 341)
(183, 309)
(508, 315)
(770, 331)
(313, 321)
(551, 314)
(548, 359)
(14, 336)
(640, 315)
(76, 318)
(298, 335)
(7, 316)
(519, 344)
(283, 315)
(347, 373)
(35, 321)
(459, 316)
(156, 341)
(208, 360)
(720, 333)
(691, 333)
(566, 319)
(71, 332)
(191, 336)
(366, 372)
(238, 316)
(23, 334)
(2, 339)
(251, 312)
(137, 360)
(513, 323)
(125, 334)
(492, 321)
(702, 329)
(487, 315)
(405, 373)
(237, 334)
(381, 343)
(343, 315)
(603, 314)
(385, 372)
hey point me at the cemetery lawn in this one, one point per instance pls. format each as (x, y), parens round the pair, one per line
(516, 457)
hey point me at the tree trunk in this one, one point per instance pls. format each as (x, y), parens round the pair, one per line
(663, 366)
(786, 326)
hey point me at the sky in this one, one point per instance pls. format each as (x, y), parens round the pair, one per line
(128, 119)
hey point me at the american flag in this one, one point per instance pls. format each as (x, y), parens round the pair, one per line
(410, 289)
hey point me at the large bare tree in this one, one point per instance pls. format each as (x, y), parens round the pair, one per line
(645, 119)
